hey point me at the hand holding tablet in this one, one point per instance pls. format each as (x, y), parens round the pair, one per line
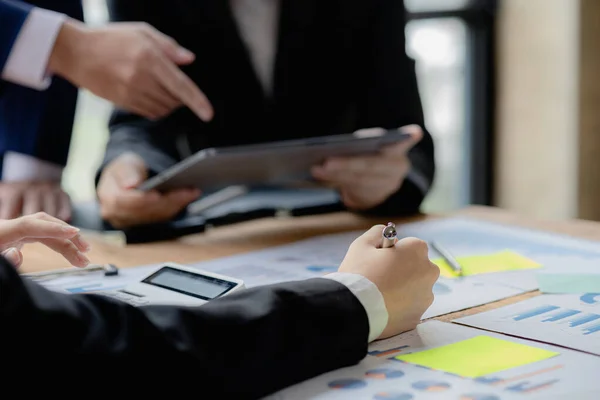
(280, 163)
(365, 181)
(364, 166)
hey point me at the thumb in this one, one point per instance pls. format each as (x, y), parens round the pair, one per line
(416, 134)
(14, 256)
(130, 171)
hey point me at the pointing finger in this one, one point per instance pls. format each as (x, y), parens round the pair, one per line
(182, 87)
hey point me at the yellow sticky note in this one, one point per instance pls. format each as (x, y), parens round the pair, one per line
(480, 264)
(478, 356)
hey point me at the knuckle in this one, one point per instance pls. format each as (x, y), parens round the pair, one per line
(142, 26)
(41, 215)
(430, 299)
(129, 78)
(417, 244)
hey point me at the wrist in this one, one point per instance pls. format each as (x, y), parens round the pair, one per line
(67, 49)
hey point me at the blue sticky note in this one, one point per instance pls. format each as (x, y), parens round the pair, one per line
(565, 282)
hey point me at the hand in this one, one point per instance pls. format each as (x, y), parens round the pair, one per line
(24, 198)
(45, 229)
(131, 64)
(123, 206)
(403, 274)
(367, 181)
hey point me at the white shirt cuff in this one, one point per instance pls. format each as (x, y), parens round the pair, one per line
(18, 167)
(28, 60)
(369, 296)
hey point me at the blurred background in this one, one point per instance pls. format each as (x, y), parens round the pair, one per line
(508, 93)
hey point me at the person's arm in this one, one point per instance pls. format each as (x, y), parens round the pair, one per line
(391, 100)
(245, 345)
(27, 38)
(153, 141)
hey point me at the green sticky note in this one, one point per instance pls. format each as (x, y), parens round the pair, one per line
(574, 283)
(480, 264)
(478, 356)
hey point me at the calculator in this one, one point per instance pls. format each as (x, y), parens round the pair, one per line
(175, 284)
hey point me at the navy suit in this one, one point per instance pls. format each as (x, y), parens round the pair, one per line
(32, 122)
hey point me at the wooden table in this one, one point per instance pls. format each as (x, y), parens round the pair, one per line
(259, 234)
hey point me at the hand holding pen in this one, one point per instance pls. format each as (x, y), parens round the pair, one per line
(389, 235)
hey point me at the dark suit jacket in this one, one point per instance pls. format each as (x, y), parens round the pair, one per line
(341, 65)
(245, 345)
(36, 123)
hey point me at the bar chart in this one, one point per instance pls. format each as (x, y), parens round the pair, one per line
(568, 317)
(568, 320)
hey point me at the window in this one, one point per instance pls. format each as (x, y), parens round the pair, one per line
(451, 41)
(90, 130)
(452, 44)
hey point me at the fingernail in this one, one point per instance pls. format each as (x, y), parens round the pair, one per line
(13, 256)
(84, 260)
(204, 112)
(70, 229)
(185, 53)
(86, 246)
(131, 182)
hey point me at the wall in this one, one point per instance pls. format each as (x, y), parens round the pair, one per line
(536, 170)
(548, 116)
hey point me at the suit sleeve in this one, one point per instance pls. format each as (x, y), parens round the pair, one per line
(12, 17)
(45, 132)
(392, 100)
(129, 132)
(246, 345)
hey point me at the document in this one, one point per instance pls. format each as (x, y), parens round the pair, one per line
(573, 280)
(506, 259)
(395, 369)
(493, 246)
(567, 320)
(96, 281)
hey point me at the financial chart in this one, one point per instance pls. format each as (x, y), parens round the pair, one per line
(381, 376)
(568, 320)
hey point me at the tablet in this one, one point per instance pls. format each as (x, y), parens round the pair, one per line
(278, 163)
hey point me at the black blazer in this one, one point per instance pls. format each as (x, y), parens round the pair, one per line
(242, 346)
(340, 66)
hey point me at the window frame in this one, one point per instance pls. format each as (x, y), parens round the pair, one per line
(479, 17)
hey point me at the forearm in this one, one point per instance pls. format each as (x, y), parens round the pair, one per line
(248, 344)
(154, 142)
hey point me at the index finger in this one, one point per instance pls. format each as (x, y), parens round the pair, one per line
(372, 237)
(77, 240)
(29, 228)
(183, 88)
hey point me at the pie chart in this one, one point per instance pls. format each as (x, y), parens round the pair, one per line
(393, 396)
(479, 396)
(591, 298)
(431, 386)
(440, 288)
(347, 384)
(322, 268)
(384, 373)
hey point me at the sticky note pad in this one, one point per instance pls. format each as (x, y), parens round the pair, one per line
(574, 283)
(480, 264)
(478, 356)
